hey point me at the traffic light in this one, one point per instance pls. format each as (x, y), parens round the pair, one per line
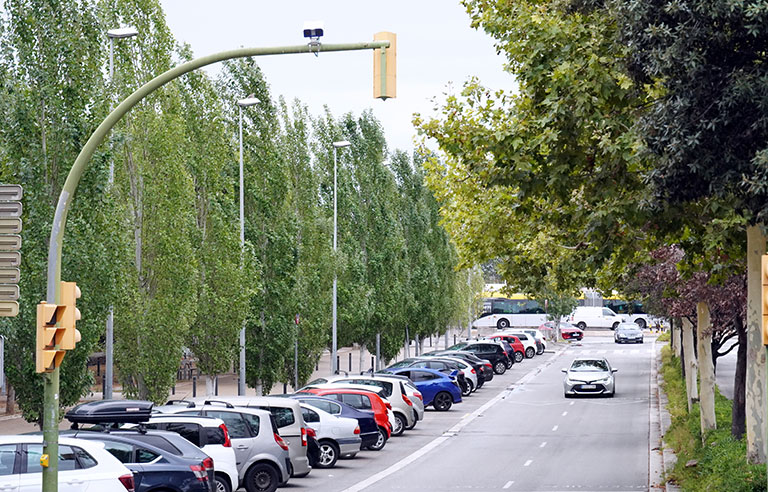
(384, 67)
(47, 356)
(56, 328)
(764, 296)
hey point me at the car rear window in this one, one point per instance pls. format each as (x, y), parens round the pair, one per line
(190, 432)
(283, 416)
(234, 421)
(158, 442)
(214, 435)
(254, 422)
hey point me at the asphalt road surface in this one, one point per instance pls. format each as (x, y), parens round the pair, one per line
(519, 433)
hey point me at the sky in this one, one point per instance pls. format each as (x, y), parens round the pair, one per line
(437, 51)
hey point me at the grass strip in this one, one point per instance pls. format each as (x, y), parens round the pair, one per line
(721, 459)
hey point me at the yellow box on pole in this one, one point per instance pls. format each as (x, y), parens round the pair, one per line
(47, 356)
(385, 66)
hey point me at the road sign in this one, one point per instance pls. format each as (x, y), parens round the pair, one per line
(10, 242)
(10, 209)
(9, 308)
(10, 192)
(9, 292)
(10, 225)
(9, 275)
(10, 259)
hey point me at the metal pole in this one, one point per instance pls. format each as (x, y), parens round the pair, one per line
(241, 380)
(108, 374)
(56, 240)
(378, 351)
(334, 363)
(296, 362)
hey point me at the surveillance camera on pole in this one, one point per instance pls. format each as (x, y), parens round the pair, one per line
(314, 31)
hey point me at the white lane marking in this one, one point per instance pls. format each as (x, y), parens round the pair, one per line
(573, 402)
(508, 484)
(543, 444)
(565, 413)
(528, 463)
(554, 428)
(450, 432)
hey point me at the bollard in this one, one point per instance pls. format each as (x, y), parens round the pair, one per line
(103, 383)
(350, 362)
(430, 341)
(173, 390)
(285, 388)
(98, 367)
(454, 339)
(194, 386)
(216, 386)
(373, 366)
(337, 364)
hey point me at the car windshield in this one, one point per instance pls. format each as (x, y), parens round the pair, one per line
(628, 327)
(589, 365)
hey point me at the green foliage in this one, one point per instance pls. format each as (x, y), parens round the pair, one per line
(721, 463)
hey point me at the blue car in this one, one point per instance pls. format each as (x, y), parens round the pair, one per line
(438, 389)
(369, 431)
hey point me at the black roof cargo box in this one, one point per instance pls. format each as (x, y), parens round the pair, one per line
(111, 411)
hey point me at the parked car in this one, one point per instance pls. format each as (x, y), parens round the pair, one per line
(538, 337)
(594, 317)
(567, 330)
(589, 376)
(369, 430)
(439, 389)
(528, 341)
(290, 424)
(491, 351)
(209, 434)
(262, 455)
(482, 366)
(518, 349)
(446, 366)
(154, 468)
(335, 436)
(361, 400)
(628, 332)
(395, 394)
(82, 464)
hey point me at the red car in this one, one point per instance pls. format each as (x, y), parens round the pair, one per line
(516, 345)
(361, 400)
(567, 330)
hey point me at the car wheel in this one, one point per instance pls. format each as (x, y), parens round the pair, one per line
(471, 385)
(530, 352)
(519, 356)
(502, 323)
(582, 325)
(509, 363)
(443, 401)
(329, 453)
(261, 477)
(466, 390)
(400, 423)
(500, 367)
(381, 440)
(539, 351)
(221, 484)
(641, 323)
(615, 325)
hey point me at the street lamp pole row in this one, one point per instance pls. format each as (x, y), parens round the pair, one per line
(334, 346)
(51, 380)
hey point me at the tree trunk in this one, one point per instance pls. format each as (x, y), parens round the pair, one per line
(755, 401)
(10, 400)
(361, 357)
(706, 369)
(739, 380)
(210, 385)
(677, 342)
(690, 364)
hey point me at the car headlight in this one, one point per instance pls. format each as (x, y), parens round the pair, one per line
(603, 381)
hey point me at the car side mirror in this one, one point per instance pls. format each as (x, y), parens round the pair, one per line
(563, 370)
(614, 370)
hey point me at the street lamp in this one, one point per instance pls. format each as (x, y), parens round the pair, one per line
(242, 103)
(112, 34)
(336, 145)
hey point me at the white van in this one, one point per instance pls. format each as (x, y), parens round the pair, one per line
(594, 317)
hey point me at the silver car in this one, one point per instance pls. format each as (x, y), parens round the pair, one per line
(589, 376)
(628, 332)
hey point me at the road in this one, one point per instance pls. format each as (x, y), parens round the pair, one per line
(519, 434)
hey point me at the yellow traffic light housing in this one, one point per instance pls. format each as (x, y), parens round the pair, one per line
(764, 296)
(68, 315)
(384, 67)
(56, 328)
(47, 356)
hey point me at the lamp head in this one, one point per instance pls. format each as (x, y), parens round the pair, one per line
(248, 101)
(341, 144)
(122, 32)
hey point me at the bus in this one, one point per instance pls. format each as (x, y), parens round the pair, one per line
(515, 311)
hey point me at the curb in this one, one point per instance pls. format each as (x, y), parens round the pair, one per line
(668, 457)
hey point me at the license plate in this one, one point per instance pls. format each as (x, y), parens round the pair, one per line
(588, 386)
